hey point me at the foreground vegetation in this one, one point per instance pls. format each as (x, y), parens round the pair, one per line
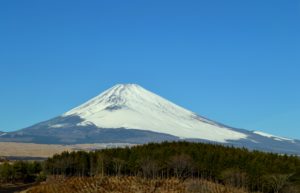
(181, 164)
(130, 185)
(20, 172)
(254, 171)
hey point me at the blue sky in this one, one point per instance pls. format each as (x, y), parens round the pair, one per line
(237, 62)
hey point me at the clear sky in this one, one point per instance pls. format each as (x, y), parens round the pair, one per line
(236, 62)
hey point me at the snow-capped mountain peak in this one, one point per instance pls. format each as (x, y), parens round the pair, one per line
(128, 113)
(131, 106)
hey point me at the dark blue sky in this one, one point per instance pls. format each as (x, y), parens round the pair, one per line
(237, 62)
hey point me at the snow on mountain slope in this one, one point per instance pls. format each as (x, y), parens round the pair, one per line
(132, 107)
(127, 113)
(273, 136)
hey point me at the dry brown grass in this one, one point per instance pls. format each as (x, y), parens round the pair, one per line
(129, 185)
(30, 149)
(42, 150)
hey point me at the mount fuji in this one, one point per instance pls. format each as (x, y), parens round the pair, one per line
(128, 113)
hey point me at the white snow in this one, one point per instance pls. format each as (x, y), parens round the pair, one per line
(132, 107)
(277, 138)
(58, 125)
(3, 134)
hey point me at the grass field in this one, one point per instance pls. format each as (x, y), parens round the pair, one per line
(14, 149)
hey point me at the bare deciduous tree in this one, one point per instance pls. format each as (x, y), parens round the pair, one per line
(277, 181)
(117, 165)
(182, 166)
(149, 168)
(234, 177)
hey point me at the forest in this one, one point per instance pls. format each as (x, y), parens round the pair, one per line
(20, 172)
(257, 171)
(237, 167)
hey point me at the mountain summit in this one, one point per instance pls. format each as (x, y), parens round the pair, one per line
(132, 107)
(128, 113)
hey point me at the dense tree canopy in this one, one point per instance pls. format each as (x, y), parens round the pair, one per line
(20, 171)
(257, 171)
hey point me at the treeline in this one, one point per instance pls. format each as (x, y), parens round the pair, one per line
(253, 170)
(20, 172)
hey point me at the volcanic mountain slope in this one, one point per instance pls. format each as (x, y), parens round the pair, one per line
(128, 113)
(2, 133)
